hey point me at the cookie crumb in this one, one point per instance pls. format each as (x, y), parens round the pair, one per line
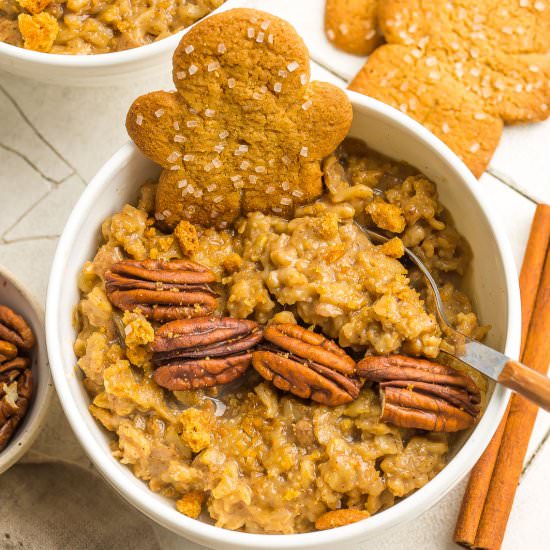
(232, 263)
(187, 237)
(386, 216)
(38, 31)
(394, 248)
(190, 504)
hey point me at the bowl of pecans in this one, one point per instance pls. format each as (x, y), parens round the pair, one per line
(25, 380)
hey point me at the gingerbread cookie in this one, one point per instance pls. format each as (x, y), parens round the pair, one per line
(463, 69)
(351, 25)
(245, 130)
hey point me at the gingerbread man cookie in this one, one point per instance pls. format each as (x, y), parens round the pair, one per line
(351, 25)
(463, 68)
(245, 130)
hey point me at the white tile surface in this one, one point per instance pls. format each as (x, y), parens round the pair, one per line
(54, 139)
(22, 186)
(48, 216)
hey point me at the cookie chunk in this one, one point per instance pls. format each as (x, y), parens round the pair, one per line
(187, 238)
(351, 25)
(34, 6)
(463, 69)
(245, 130)
(38, 31)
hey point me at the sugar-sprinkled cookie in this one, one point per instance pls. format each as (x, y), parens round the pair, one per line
(245, 130)
(463, 68)
(351, 25)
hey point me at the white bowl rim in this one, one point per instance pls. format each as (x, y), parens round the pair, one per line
(110, 59)
(405, 510)
(25, 435)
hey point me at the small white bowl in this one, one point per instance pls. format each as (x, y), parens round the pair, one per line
(492, 282)
(15, 296)
(105, 69)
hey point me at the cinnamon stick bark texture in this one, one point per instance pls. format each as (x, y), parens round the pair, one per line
(518, 428)
(490, 492)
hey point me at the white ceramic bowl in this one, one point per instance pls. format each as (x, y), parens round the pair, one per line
(492, 280)
(107, 69)
(14, 295)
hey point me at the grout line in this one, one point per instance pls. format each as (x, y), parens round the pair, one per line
(3, 239)
(36, 131)
(535, 453)
(29, 239)
(330, 70)
(33, 166)
(512, 184)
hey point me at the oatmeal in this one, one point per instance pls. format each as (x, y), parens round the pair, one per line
(84, 27)
(275, 453)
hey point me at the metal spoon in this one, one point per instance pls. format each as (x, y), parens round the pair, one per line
(497, 366)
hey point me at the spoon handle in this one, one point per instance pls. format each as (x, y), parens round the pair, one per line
(508, 372)
(527, 382)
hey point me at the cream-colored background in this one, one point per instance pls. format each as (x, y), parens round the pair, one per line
(52, 141)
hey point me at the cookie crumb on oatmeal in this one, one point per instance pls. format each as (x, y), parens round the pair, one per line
(232, 263)
(195, 429)
(34, 6)
(386, 216)
(137, 330)
(394, 248)
(39, 31)
(187, 237)
(190, 504)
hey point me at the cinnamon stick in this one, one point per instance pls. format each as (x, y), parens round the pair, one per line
(519, 426)
(484, 512)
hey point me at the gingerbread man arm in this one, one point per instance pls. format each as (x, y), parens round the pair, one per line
(327, 118)
(147, 124)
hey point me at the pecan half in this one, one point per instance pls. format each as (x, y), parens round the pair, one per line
(307, 364)
(420, 394)
(7, 351)
(15, 396)
(15, 330)
(162, 291)
(203, 352)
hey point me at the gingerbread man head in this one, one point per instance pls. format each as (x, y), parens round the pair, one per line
(246, 129)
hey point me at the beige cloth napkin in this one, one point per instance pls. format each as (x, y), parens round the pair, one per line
(54, 499)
